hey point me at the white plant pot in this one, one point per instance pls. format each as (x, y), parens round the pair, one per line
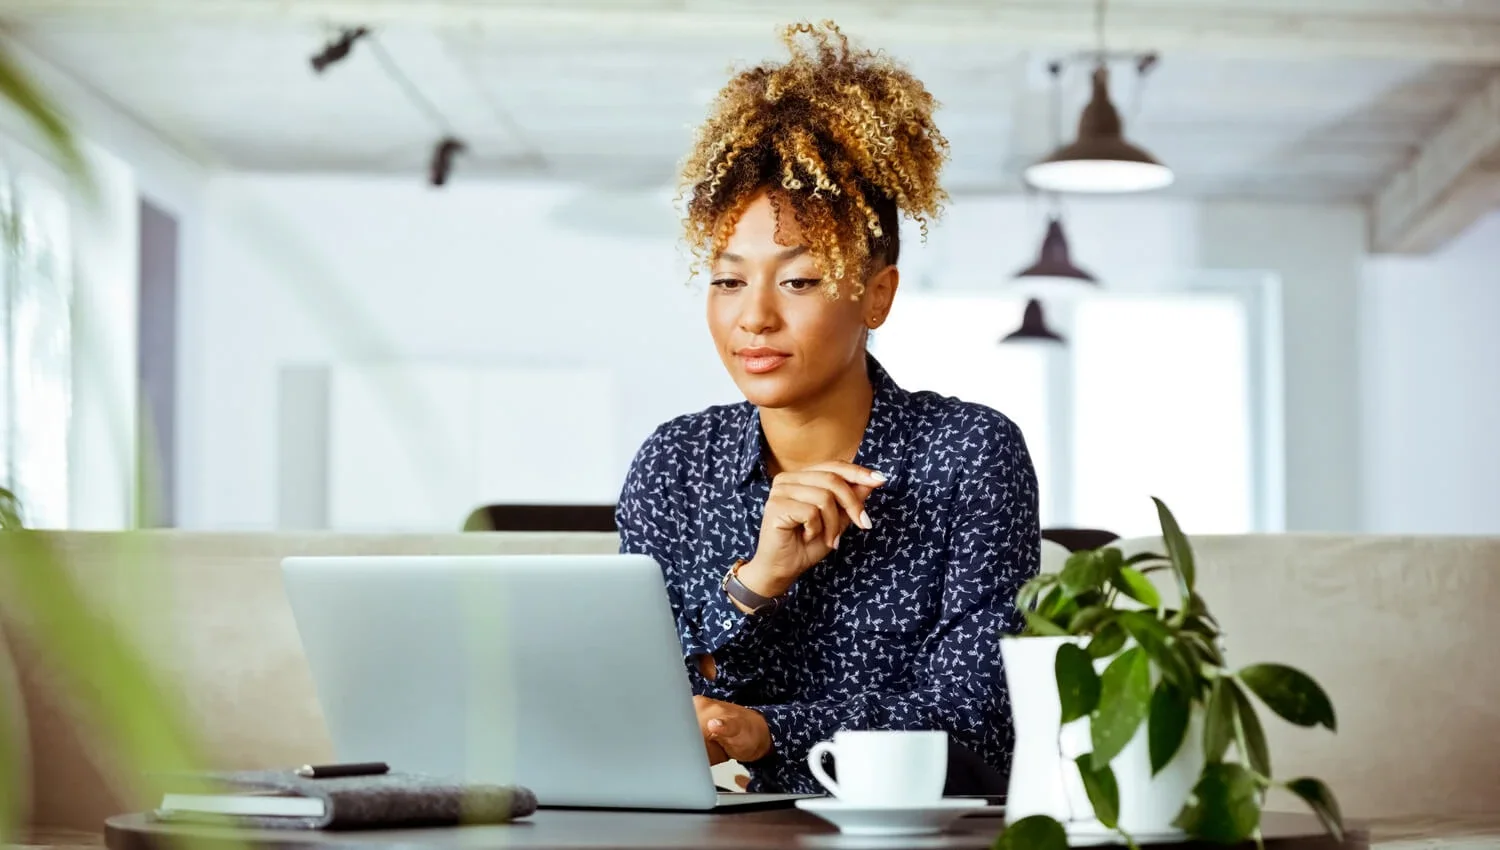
(1044, 779)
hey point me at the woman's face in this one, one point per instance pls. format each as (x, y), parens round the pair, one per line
(781, 338)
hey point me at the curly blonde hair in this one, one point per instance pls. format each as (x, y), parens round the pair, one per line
(842, 137)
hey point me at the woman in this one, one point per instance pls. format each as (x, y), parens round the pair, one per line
(839, 553)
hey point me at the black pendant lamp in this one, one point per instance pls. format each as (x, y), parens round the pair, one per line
(1033, 327)
(1054, 273)
(1100, 160)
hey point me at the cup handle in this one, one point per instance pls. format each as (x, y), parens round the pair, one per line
(815, 764)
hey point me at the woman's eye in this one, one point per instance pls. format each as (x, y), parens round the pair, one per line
(802, 284)
(728, 283)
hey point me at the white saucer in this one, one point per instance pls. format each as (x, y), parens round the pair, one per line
(1095, 834)
(921, 819)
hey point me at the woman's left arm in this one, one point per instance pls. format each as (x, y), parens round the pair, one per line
(995, 546)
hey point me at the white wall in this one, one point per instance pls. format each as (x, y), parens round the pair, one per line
(1318, 252)
(1432, 388)
(308, 270)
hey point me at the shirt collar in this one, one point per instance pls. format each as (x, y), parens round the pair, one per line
(883, 447)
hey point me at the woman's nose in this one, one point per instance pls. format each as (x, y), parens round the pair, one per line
(758, 309)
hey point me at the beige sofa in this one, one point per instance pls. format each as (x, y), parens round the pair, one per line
(1397, 629)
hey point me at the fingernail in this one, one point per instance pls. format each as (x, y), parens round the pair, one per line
(716, 724)
(879, 478)
(836, 540)
(864, 520)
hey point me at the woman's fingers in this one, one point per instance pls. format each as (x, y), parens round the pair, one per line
(826, 502)
(850, 497)
(791, 514)
(852, 473)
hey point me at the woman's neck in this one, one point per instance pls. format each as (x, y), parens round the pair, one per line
(829, 428)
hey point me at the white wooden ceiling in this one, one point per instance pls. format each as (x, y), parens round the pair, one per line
(1294, 99)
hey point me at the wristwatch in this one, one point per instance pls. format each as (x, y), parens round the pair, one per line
(737, 591)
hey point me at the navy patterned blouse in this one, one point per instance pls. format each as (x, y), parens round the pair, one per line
(899, 627)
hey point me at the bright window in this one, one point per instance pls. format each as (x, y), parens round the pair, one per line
(1161, 408)
(1153, 395)
(35, 350)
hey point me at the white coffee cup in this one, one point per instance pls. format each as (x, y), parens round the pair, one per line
(882, 768)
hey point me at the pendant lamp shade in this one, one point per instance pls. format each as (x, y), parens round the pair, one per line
(1100, 160)
(1033, 327)
(1053, 273)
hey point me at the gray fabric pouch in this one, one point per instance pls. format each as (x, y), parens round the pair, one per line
(387, 801)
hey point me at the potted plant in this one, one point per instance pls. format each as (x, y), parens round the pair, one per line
(1129, 723)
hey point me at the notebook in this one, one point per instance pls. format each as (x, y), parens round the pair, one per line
(284, 800)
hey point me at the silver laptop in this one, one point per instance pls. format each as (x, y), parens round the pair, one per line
(561, 673)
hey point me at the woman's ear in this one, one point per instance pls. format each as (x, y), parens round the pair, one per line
(880, 291)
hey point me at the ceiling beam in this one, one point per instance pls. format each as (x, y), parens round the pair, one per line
(1452, 181)
(1162, 25)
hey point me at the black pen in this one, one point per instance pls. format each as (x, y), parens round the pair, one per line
(331, 771)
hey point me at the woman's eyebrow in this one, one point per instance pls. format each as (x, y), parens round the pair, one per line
(789, 254)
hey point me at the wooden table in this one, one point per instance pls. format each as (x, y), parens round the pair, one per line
(552, 829)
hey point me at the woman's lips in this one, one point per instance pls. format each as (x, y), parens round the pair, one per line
(759, 361)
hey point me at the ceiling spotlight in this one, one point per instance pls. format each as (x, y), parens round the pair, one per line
(442, 159)
(1053, 273)
(1100, 159)
(338, 48)
(1033, 328)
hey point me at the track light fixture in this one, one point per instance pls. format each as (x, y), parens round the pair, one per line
(442, 159)
(338, 49)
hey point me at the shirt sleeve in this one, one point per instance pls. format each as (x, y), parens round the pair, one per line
(652, 519)
(994, 547)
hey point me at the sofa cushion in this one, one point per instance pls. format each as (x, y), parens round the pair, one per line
(1397, 630)
(208, 611)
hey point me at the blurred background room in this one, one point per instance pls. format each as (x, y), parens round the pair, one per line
(371, 265)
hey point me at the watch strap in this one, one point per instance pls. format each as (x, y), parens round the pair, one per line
(745, 596)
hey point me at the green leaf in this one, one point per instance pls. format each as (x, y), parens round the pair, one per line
(1252, 736)
(1204, 648)
(1031, 591)
(1113, 561)
(1103, 793)
(1039, 625)
(1156, 638)
(1090, 618)
(1290, 693)
(1124, 698)
(1077, 683)
(1144, 557)
(1107, 641)
(1135, 585)
(1320, 799)
(17, 88)
(1197, 685)
(1057, 606)
(10, 511)
(1178, 550)
(1037, 832)
(1223, 807)
(1218, 722)
(1166, 727)
(1083, 572)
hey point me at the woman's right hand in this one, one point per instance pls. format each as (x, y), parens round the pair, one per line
(808, 510)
